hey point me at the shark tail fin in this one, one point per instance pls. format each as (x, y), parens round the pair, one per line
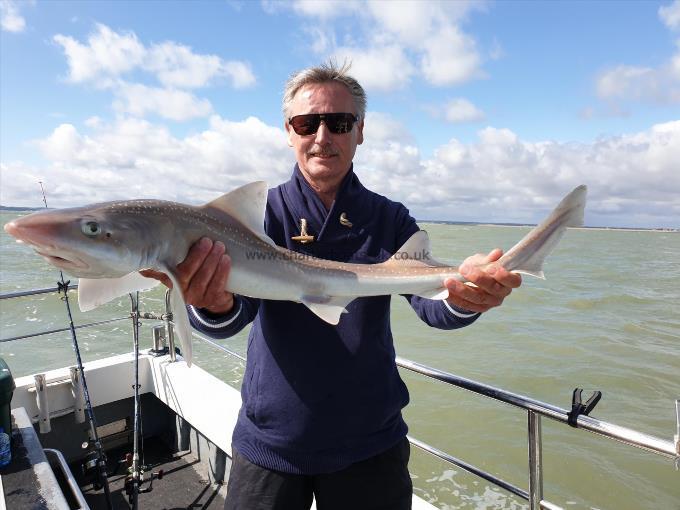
(527, 255)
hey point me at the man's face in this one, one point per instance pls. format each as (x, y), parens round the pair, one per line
(324, 157)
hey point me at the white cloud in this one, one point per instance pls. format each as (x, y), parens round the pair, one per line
(106, 55)
(93, 122)
(496, 52)
(135, 158)
(409, 21)
(659, 85)
(326, 9)
(389, 41)
(461, 110)
(62, 143)
(321, 40)
(642, 83)
(323, 10)
(177, 66)
(378, 68)
(383, 127)
(412, 20)
(450, 57)
(389, 147)
(670, 15)
(633, 179)
(19, 184)
(11, 19)
(178, 105)
(109, 55)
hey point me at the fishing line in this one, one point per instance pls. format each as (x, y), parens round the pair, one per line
(101, 457)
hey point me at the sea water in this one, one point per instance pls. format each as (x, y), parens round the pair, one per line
(606, 318)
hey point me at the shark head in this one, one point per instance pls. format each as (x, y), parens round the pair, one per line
(102, 240)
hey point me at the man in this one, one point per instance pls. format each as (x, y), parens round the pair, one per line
(321, 413)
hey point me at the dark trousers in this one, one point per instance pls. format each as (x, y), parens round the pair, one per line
(379, 483)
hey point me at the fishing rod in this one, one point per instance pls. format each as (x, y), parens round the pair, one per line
(135, 480)
(100, 457)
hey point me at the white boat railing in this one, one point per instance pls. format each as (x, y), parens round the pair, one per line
(535, 409)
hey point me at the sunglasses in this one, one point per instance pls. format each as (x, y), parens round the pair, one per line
(337, 123)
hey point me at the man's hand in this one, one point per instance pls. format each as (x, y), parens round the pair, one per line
(492, 283)
(202, 275)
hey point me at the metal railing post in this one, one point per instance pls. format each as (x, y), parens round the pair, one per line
(535, 461)
(676, 437)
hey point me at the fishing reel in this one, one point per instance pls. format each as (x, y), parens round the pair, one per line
(91, 466)
(134, 482)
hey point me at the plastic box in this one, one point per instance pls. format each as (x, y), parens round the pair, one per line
(7, 387)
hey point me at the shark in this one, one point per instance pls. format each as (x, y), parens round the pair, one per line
(105, 245)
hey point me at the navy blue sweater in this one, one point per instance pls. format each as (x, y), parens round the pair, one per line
(317, 397)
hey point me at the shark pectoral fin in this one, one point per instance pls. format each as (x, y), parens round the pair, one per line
(95, 292)
(328, 308)
(180, 318)
(437, 294)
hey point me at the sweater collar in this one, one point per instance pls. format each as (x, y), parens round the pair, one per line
(303, 201)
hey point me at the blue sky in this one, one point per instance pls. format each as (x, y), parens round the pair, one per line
(478, 111)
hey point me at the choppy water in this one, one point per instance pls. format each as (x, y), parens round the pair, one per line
(607, 318)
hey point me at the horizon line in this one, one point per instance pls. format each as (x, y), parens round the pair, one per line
(445, 222)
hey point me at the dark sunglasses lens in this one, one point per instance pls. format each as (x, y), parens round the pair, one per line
(339, 122)
(305, 125)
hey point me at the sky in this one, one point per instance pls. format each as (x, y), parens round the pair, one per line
(477, 111)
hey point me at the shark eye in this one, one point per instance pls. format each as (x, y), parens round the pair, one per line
(91, 228)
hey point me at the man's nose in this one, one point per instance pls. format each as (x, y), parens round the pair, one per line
(323, 134)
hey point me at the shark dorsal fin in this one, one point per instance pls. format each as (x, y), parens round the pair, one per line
(245, 204)
(415, 252)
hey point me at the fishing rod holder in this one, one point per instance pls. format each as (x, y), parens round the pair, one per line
(156, 475)
(160, 346)
(169, 327)
(43, 403)
(78, 394)
(163, 335)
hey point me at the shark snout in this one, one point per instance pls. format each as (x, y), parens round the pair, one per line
(31, 230)
(11, 228)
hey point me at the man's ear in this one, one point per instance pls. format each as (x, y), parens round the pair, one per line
(290, 132)
(360, 132)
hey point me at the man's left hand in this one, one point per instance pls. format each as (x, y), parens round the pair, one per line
(492, 283)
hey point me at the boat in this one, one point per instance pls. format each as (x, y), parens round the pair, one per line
(176, 452)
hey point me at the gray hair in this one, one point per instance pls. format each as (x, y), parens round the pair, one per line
(325, 73)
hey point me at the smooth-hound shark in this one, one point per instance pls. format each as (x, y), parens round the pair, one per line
(106, 244)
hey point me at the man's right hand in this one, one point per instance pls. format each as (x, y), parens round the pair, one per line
(203, 277)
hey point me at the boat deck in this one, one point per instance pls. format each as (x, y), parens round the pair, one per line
(35, 480)
(180, 487)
